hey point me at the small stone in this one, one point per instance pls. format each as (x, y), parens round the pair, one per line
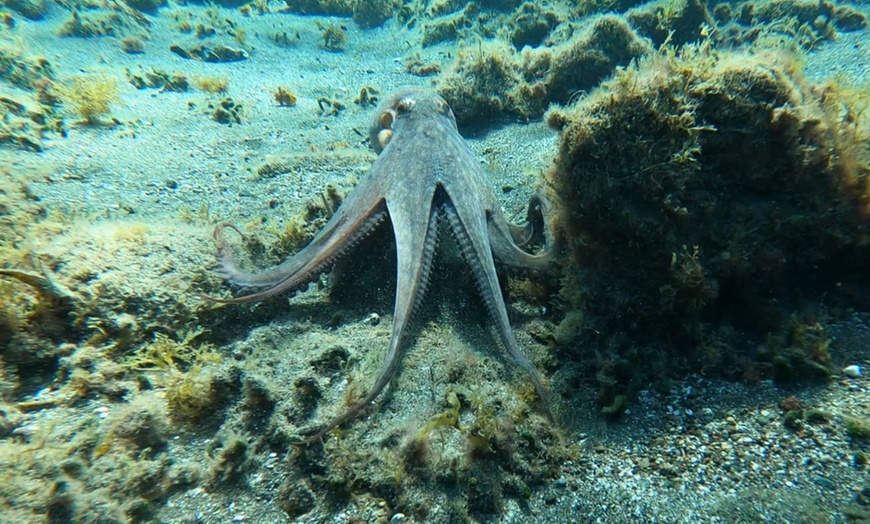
(853, 371)
(399, 517)
(825, 483)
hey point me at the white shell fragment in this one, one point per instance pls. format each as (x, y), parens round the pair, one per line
(853, 371)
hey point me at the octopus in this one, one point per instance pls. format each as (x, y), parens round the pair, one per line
(424, 178)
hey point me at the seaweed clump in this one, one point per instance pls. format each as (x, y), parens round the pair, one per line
(186, 373)
(90, 96)
(709, 200)
(333, 35)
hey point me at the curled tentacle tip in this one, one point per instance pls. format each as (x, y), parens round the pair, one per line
(208, 298)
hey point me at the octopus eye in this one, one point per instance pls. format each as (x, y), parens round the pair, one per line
(405, 104)
(386, 120)
(442, 106)
(384, 137)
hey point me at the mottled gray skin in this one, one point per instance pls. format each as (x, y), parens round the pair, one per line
(425, 172)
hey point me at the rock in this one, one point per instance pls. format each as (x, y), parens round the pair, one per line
(10, 418)
(215, 54)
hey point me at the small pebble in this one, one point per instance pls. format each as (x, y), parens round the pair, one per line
(398, 517)
(853, 371)
(825, 483)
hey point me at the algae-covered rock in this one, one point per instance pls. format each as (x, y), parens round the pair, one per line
(79, 468)
(804, 23)
(21, 69)
(707, 196)
(132, 45)
(159, 79)
(230, 457)
(23, 122)
(32, 9)
(372, 13)
(848, 18)
(321, 7)
(484, 84)
(142, 426)
(501, 5)
(296, 498)
(215, 53)
(10, 418)
(675, 22)
(146, 6)
(117, 268)
(492, 80)
(531, 24)
(591, 56)
(813, 19)
(120, 21)
(446, 28)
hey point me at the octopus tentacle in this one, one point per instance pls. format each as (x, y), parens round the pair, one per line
(415, 250)
(341, 233)
(532, 232)
(508, 240)
(478, 255)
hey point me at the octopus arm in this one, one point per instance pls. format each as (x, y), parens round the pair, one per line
(510, 241)
(415, 226)
(470, 230)
(355, 219)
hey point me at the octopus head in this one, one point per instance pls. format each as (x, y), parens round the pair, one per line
(407, 104)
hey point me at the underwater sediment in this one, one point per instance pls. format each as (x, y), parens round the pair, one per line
(712, 203)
